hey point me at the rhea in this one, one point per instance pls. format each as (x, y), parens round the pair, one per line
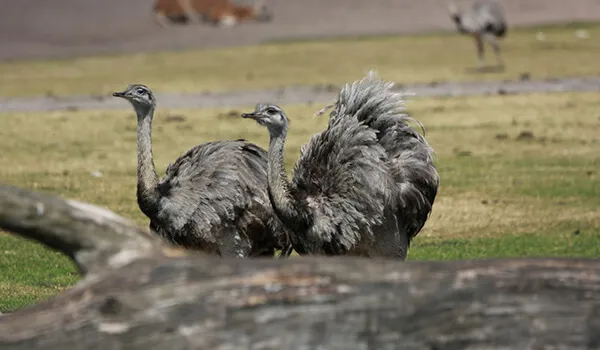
(364, 186)
(213, 198)
(484, 21)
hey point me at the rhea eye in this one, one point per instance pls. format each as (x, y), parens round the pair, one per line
(141, 91)
(271, 111)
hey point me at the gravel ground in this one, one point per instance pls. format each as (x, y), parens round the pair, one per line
(297, 94)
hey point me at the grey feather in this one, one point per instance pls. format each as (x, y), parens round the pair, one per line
(213, 198)
(364, 186)
(408, 155)
(484, 16)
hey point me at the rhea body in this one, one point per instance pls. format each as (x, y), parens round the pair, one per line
(364, 186)
(213, 198)
(484, 21)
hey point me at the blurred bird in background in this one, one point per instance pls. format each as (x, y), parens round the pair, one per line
(484, 21)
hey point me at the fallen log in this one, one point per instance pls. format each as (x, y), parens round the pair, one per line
(138, 293)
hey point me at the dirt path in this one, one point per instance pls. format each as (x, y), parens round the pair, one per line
(62, 28)
(297, 94)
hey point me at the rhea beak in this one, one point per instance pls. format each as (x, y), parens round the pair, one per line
(253, 115)
(119, 94)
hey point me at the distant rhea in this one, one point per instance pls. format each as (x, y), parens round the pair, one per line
(213, 198)
(484, 21)
(364, 186)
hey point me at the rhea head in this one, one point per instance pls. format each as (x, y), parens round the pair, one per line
(271, 116)
(140, 96)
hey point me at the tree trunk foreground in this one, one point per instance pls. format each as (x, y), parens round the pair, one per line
(139, 293)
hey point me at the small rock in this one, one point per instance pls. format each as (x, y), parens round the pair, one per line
(175, 118)
(184, 127)
(525, 76)
(331, 88)
(540, 36)
(96, 173)
(582, 34)
(525, 136)
(462, 153)
(231, 114)
(325, 88)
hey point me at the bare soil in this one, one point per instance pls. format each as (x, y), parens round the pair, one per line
(63, 28)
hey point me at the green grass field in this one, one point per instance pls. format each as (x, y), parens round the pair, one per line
(519, 173)
(406, 59)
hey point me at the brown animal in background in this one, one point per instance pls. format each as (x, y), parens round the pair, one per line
(218, 12)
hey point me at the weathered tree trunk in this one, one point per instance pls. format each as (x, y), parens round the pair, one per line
(156, 297)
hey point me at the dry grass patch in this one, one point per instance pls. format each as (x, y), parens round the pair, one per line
(478, 215)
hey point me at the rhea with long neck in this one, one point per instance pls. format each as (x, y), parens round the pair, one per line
(292, 211)
(143, 102)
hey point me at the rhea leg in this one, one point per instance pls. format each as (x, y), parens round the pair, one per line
(391, 239)
(286, 252)
(480, 52)
(493, 41)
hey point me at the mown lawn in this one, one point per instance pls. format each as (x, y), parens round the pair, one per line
(519, 174)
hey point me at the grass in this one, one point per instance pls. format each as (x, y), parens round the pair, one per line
(519, 174)
(31, 272)
(406, 59)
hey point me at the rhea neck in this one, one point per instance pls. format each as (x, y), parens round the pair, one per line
(147, 186)
(291, 210)
(456, 18)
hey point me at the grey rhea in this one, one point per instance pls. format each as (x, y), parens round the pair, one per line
(484, 21)
(213, 198)
(364, 186)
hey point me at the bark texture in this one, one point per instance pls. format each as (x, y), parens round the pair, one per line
(160, 298)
